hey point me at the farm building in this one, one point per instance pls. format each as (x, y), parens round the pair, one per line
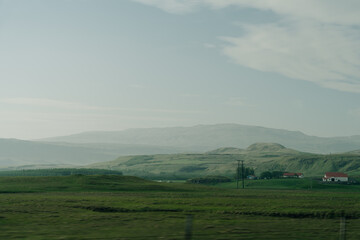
(335, 177)
(251, 177)
(293, 175)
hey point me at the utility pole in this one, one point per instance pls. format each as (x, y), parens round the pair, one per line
(342, 228)
(237, 174)
(188, 227)
(243, 173)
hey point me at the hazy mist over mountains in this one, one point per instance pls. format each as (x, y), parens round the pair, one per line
(91, 147)
(208, 137)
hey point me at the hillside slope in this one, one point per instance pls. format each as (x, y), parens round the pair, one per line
(261, 157)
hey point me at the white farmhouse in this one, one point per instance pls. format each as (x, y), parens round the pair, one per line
(335, 177)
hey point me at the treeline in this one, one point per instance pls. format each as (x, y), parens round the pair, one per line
(59, 172)
(209, 180)
(271, 175)
(162, 175)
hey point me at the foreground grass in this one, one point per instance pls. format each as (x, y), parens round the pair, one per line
(113, 207)
(82, 183)
(292, 184)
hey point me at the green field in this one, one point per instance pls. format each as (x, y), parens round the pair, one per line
(120, 207)
(58, 172)
(292, 184)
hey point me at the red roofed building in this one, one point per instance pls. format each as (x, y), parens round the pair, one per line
(293, 175)
(335, 177)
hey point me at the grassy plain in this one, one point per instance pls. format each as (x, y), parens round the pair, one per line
(120, 207)
(293, 184)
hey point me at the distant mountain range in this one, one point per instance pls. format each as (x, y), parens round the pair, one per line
(91, 147)
(208, 137)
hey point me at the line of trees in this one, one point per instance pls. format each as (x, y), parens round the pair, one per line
(271, 175)
(59, 172)
(209, 180)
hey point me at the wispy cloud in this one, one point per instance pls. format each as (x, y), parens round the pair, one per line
(315, 40)
(209, 45)
(330, 59)
(50, 103)
(172, 6)
(44, 102)
(326, 11)
(354, 112)
(138, 86)
(35, 124)
(236, 101)
(189, 95)
(43, 117)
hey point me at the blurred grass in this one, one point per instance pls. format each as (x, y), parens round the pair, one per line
(292, 184)
(115, 207)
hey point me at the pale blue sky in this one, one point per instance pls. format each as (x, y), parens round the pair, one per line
(72, 66)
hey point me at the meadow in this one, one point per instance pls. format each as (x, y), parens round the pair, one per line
(122, 207)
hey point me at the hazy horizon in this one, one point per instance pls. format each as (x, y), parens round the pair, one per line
(68, 67)
(94, 131)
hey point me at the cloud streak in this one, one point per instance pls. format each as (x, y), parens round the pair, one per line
(329, 59)
(44, 102)
(325, 11)
(50, 103)
(64, 117)
(236, 101)
(315, 40)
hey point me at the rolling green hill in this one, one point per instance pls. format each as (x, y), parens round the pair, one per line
(260, 156)
(356, 152)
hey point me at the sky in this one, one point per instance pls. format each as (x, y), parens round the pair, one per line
(71, 66)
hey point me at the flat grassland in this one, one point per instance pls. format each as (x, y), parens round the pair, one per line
(120, 207)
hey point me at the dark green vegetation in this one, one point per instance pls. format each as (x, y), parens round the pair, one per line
(261, 157)
(117, 207)
(272, 175)
(59, 172)
(209, 180)
(81, 183)
(298, 184)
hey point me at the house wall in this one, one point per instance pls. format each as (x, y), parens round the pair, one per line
(294, 176)
(336, 179)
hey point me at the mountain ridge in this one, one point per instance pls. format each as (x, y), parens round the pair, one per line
(208, 137)
(91, 147)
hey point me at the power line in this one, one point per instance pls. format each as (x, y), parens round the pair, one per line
(237, 174)
(242, 174)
